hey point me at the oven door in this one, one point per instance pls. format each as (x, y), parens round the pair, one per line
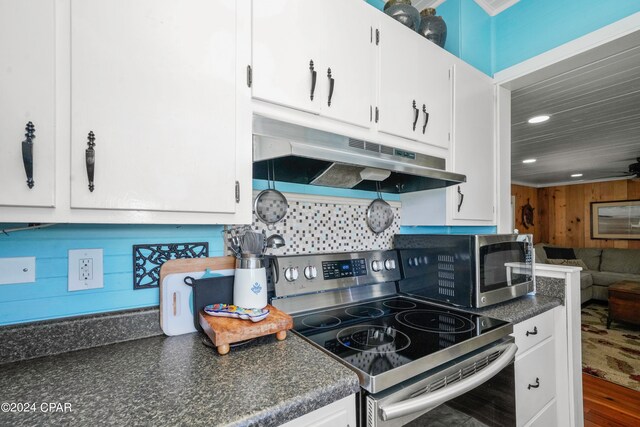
(477, 387)
(504, 268)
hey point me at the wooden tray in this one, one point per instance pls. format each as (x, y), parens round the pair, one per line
(226, 330)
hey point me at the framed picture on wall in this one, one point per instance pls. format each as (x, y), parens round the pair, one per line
(615, 220)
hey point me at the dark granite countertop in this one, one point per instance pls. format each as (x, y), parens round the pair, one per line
(176, 381)
(519, 309)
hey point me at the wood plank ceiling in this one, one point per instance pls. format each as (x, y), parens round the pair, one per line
(594, 127)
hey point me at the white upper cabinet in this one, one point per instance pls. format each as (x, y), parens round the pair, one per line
(155, 82)
(286, 53)
(315, 56)
(472, 153)
(414, 86)
(149, 95)
(473, 148)
(27, 95)
(349, 53)
(435, 66)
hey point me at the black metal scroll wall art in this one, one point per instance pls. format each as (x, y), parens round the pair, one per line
(527, 215)
(147, 260)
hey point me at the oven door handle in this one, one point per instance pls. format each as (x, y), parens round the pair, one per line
(431, 400)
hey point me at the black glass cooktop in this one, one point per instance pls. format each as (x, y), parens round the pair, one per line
(380, 335)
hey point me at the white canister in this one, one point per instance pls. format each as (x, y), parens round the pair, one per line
(250, 288)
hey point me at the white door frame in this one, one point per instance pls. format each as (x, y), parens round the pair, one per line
(619, 36)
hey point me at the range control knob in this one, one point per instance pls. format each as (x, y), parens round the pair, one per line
(291, 274)
(376, 265)
(310, 272)
(390, 264)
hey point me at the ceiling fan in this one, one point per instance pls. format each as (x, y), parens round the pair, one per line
(633, 171)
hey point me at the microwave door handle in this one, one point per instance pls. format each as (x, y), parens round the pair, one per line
(429, 401)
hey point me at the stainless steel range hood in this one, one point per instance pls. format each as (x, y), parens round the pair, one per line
(307, 156)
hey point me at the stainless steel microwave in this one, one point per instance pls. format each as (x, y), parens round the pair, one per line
(471, 270)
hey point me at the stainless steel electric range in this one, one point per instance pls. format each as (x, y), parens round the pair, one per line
(418, 362)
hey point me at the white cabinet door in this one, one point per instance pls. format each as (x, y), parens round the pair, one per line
(286, 52)
(27, 94)
(400, 86)
(434, 125)
(338, 413)
(473, 145)
(154, 80)
(535, 376)
(348, 52)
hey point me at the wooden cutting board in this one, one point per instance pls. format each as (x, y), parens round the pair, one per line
(176, 315)
(226, 330)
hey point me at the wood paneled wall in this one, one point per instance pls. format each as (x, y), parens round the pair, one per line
(563, 213)
(522, 194)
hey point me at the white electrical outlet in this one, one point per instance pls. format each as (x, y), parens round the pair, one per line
(85, 269)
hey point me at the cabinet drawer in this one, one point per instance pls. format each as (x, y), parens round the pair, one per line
(535, 381)
(339, 413)
(547, 418)
(533, 331)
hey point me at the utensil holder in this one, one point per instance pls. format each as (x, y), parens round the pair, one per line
(250, 286)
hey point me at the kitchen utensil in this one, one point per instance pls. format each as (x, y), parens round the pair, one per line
(270, 205)
(176, 308)
(275, 241)
(250, 283)
(224, 331)
(252, 243)
(379, 214)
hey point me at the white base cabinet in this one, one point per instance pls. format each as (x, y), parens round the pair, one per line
(340, 413)
(536, 379)
(143, 92)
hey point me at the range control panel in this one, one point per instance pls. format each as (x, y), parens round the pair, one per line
(302, 274)
(345, 268)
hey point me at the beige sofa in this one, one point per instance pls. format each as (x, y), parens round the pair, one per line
(604, 267)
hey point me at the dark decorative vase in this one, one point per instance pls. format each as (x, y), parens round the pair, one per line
(433, 27)
(403, 12)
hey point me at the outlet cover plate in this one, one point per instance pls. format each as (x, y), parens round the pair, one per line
(17, 270)
(85, 269)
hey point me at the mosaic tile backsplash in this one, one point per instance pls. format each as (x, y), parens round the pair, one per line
(319, 224)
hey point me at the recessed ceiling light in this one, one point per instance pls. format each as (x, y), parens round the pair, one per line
(576, 175)
(529, 161)
(539, 119)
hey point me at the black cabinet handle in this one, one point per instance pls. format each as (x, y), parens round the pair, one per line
(536, 385)
(27, 153)
(90, 158)
(535, 331)
(426, 118)
(461, 198)
(331, 83)
(416, 113)
(314, 75)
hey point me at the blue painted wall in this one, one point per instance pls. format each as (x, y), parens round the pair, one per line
(469, 33)
(531, 27)
(48, 297)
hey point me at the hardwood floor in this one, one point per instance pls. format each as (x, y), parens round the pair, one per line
(609, 405)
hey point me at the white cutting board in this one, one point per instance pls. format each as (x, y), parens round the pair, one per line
(176, 302)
